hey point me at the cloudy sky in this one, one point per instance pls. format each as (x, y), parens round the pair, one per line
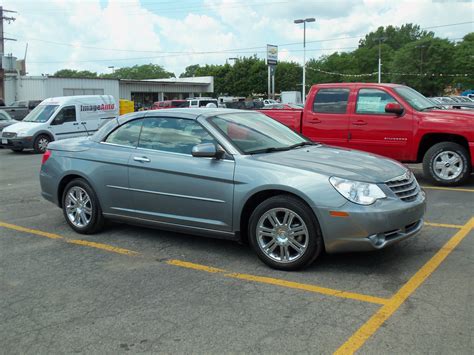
(96, 34)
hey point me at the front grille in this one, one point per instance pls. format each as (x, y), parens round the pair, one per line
(405, 187)
(8, 135)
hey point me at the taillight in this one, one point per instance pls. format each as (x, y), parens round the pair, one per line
(46, 156)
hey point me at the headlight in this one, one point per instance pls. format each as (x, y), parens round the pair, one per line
(362, 193)
(22, 133)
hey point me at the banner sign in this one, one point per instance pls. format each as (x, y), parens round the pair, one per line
(272, 54)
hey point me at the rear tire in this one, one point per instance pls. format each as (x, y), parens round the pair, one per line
(41, 143)
(284, 233)
(447, 164)
(81, 207)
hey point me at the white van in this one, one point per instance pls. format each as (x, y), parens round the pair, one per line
(59, 118)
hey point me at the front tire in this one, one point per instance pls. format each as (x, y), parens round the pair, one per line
(81, 207)
(447, 164)
(284, 233)
(41, 143)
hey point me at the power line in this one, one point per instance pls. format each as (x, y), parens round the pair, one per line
(211, 52)
(192, 53)
(171, 10)
(178, 55)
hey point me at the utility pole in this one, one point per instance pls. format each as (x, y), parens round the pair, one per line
(2, 48)
(380, 39)
(421, 46)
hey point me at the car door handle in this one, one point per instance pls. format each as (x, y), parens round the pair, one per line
(142, 159)
(315, 120)
(75, 124)
(359, 123)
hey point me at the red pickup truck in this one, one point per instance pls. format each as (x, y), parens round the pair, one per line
(391, 120)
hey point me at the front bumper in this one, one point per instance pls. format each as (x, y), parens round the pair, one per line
(372, 227)
(16, 143)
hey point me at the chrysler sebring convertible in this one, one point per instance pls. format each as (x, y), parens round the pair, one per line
(236, 175)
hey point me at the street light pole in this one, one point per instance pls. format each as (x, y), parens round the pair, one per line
(303, 21)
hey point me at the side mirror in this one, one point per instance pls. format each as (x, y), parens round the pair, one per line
(393, 107)
(207, 150)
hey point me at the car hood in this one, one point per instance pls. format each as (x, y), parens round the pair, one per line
(20, 126)
(4, 124)
(340, 162)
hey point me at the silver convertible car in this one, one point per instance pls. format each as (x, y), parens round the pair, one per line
(237, 175)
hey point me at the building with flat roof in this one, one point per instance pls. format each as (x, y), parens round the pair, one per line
(142, 92)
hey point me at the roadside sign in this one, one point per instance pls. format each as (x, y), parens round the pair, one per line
(272, 54)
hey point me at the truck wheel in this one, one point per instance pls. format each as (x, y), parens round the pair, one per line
(447, 164)
(284, 233)
(41, 143)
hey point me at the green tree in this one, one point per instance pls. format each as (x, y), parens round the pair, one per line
(140, 72)
(287, 76)
(464, 62)
(72, 73)
(395, 37)
(423, 65)
(190, 71)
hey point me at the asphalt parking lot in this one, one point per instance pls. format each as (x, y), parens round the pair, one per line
(141, 290)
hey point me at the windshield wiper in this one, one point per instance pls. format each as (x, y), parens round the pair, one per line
(302, 144)
(280, 149)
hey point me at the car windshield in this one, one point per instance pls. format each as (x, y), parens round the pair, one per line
(253, 132)
(41, 113)
(414, 98)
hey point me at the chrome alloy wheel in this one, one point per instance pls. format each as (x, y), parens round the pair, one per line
(448, 165)
(282, 235)
(78, 207)
(43, 144)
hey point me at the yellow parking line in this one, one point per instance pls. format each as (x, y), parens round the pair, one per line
(103, 247)
(282, 283)
(310, 288)
(447, 188)
(442, 225)
(189, 265)
(31, 231)
(385, 312)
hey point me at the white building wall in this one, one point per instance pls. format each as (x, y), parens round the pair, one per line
(10, 89)
(42, 87)
(31, 88)
(55, 86)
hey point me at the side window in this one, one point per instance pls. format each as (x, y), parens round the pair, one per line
(161, 104)
(127, 134)
(67, 114)
(331, 101)
(175, 135)
(194, 103)
(373, 101)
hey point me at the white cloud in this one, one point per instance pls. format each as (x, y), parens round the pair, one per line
(154, 32)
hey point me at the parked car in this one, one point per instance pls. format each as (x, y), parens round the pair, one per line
(5, 120)
(159, 105)
(245, 105)
(269, 102)
(19, 109)
(202, 102)
(391, 120)
(454, 103)
(59, 118)
(236, 175)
